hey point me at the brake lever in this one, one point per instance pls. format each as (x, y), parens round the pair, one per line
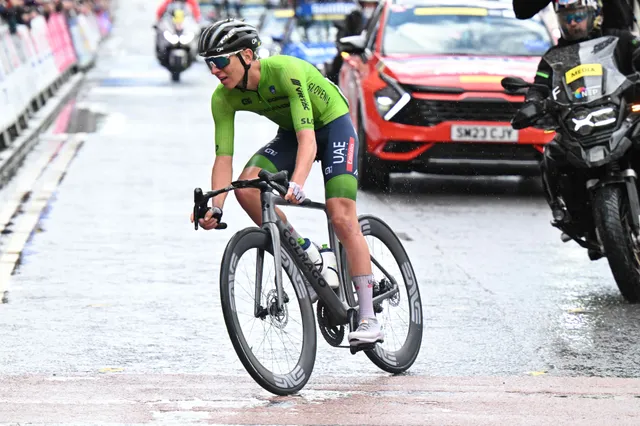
(197, 199)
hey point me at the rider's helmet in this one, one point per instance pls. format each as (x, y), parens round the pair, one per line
(227, 36)
(578, 18)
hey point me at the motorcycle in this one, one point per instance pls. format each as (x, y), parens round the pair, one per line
(176, 40)
(591, 107)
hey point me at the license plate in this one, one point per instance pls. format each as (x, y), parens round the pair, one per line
(483, 134)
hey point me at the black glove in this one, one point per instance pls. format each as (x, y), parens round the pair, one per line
(528, 113)
(546, 123)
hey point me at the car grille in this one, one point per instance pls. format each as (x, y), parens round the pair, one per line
(486, 151)
(426, 112)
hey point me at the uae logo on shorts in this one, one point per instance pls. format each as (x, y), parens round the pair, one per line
(272, 89)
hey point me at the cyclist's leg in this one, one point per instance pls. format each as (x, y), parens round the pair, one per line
(277, 155)
(339, 143)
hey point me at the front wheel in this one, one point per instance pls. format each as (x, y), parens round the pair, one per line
(612, 215)
(276, 346)
(400, 315)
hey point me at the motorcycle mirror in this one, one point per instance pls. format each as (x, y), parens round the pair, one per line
(514, 84)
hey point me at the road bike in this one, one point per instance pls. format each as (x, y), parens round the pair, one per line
(280, 306)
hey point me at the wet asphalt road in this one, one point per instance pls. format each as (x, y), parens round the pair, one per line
(119, 279)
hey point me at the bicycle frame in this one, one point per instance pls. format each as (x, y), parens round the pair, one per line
(339, 305)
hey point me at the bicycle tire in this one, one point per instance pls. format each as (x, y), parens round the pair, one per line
(279, 384)
(402, 359)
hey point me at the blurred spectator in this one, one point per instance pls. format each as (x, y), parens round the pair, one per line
(16, 12)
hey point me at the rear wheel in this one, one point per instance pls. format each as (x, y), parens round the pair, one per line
(371, 174)
(400, 315)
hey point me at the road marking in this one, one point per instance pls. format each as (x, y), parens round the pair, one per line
(30, 177)
(42, 188)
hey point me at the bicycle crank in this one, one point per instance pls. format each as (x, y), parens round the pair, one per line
(332, 333)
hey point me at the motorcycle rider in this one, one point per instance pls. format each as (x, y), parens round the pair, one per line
(617, 14)
(193, 4)
(353, 24)
(578, 20)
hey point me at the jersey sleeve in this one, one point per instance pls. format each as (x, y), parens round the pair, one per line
(294, 80)
(223, 119)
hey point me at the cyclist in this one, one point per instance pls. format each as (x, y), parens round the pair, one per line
(314, 124)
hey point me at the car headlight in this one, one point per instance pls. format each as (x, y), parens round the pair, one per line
(171, 37)
(187, 38)
(263, 52)
(583, 121)
(390, 99)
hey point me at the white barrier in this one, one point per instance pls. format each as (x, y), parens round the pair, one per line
(29, 71)
(40, 35)
(10, 64)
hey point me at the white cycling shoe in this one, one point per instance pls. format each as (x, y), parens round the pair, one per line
(368, 332)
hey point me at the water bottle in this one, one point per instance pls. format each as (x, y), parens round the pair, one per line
(324, 259)
(312, 251)
(329, 267)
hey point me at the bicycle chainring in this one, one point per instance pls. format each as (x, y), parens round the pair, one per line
(333, 334)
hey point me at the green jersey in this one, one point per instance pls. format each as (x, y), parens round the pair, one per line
(292, 93)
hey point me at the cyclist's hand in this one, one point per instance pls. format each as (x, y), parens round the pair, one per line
(210, 222)
(295, 194)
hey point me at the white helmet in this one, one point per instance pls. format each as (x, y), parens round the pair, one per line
(577, 18)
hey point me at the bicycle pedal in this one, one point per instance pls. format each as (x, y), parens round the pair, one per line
(363, 347)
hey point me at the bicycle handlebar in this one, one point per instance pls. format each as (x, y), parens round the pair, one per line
(277, 181)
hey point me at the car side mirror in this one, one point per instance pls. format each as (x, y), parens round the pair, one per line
(352, 44)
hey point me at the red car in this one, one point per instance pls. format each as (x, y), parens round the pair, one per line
(423, 84)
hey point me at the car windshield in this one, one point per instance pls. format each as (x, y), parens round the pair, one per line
(462, 31)
(316, 31)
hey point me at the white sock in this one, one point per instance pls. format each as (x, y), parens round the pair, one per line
(364, 289)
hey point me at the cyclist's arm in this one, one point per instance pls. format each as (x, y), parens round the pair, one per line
(525, 9)
(295, 83)
(222, 171)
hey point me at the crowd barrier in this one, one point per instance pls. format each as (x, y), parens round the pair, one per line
(35, 62)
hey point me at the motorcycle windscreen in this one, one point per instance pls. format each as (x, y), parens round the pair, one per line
(585, 72)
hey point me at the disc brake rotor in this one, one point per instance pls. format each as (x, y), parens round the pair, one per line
(279, 317)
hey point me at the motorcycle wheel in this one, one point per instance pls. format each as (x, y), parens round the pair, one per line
(612, 215)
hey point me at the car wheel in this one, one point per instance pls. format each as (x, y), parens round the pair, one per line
(372, 174)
